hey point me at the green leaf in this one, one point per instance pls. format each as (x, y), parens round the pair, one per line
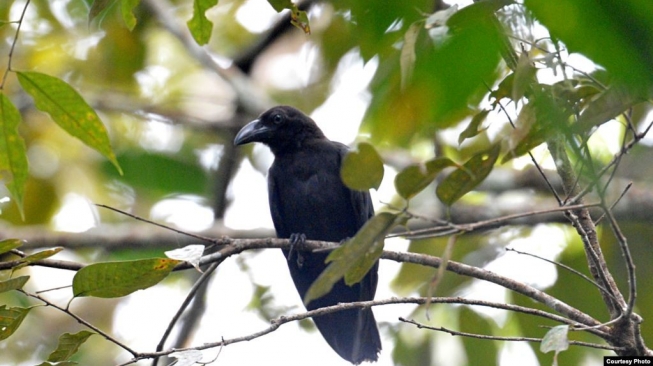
(415, 178)
(524, 76)
(10, 320)
(127, 10)
(42, 255)
(353, 259)
(362, 169)
(199, 25)
(117, 279)
(544, 116)
(13, 283)
(298, 18)
(504, 89)
(98, 7)
(597, 29)
(13, 155)
(151, 172)
(611, 103)
(407, 58)
(472, 129)
(65, 363)
(69, 345)
(37, 257)
(9, 244)
(446, 80)
(69, 110)
(279, 5)
(467, 177)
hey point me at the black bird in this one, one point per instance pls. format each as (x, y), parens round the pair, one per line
(308, 200)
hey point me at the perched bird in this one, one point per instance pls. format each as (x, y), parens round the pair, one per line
(308, 200)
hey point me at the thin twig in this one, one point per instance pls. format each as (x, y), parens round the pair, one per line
(135, 217)
(630, 265)
(535, 163)
(13, 45)
(492, 222)
(500, 338)
(191, 294)
(82, 321)
(581, 275)
(623, 193)
(614, 161)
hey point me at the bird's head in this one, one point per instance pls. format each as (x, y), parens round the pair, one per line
(282, 128)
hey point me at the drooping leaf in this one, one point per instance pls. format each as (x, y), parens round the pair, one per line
(467, 177)
(447, 79)
(543, 117)
(407, 58)
(524, 76)
(199, 25)
(415, 178)
(190, 253)
(526, 136)
(472, 128)
(127, 11)
(9, 244)
(504, 89)
(353, 259)
(10, 319)
(13, 154)
(117, 279)
(611, 103)
(13, 283)
(69, 110)
(69, 345)
(362, 169)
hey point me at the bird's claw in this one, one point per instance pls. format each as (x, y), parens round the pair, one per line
(296, 239)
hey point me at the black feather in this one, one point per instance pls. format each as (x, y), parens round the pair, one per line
(307, 196)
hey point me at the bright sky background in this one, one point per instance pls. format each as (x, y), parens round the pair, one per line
(231, 288)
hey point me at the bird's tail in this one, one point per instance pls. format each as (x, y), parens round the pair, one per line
(367, 344)
(357, 339)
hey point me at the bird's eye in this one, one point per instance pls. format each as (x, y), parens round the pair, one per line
(277, 119)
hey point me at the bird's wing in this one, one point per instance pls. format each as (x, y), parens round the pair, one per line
(275, 208)
(364, 210)
(361, 200)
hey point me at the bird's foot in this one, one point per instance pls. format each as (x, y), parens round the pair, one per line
(296, 239)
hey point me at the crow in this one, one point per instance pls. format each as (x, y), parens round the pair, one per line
(308, 200)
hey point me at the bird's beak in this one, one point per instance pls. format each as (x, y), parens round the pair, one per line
(254, 131)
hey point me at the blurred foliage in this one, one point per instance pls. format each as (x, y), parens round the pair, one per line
(497, 76)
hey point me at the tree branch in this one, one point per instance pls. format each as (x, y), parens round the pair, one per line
(276, 323)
